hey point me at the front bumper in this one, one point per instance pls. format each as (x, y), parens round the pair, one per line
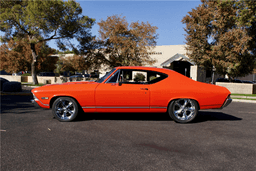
(227, 102)
(38, 103)
(34, 103)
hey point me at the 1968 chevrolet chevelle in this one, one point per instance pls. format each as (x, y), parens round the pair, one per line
(133, 89)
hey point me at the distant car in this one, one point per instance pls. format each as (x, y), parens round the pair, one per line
(87, 75)
(222, 80)
(18, 73)
(3, 72)
(51, 74)
(77, 77)
(237, 81)
(9, 86)
(133, 89)
(2, 81)
(248, 82)
(94, 75)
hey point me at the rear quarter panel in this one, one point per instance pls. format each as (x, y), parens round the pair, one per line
(178, 86)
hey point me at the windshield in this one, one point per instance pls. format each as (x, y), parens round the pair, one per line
(105, 76)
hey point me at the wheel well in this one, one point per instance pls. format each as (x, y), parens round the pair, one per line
(183, 98)
(54, 98)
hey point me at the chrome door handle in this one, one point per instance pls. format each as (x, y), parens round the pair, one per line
(144, 88)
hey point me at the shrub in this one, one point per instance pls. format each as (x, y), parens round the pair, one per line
(26, 74)
(139, 77)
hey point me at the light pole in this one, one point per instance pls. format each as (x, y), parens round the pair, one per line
(213, 71)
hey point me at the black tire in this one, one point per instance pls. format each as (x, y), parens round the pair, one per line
(65, 109)
(183, 110)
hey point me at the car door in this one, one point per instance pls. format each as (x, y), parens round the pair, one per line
(114, 95)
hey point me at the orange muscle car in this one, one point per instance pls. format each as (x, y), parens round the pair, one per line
(133, 89)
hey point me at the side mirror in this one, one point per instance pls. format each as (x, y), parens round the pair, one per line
(119, 83)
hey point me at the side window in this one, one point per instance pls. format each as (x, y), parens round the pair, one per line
(133, 76)
(154, 77)
(114, 77)
(128, 76)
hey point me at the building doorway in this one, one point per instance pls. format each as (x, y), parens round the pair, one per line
(182, 67)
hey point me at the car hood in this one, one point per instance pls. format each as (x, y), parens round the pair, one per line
(54, 87)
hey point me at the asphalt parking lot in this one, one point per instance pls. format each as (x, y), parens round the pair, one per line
(31, 139)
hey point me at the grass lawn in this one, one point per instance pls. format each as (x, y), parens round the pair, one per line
(247, 96)
(253, 95)
(31, 84)
(244, 98)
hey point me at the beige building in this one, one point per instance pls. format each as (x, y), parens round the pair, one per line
(174, 57)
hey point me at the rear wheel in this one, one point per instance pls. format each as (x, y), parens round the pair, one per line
(183, 110)
(65, 109)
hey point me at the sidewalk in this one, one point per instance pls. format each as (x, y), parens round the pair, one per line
(246, 99)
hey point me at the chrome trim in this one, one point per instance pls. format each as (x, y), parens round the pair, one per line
(65, 109)
(227, 102)
(34, 103)
(88, 107)
(158, 107)
(117, 107)
(184, 109)
(36, 99)
(117, 72)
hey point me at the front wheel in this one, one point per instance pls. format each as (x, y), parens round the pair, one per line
(183, 110)
(65, 109)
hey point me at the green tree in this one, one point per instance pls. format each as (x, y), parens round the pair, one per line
(218, 35)
(72, 63)
(123, 44)
(41, 21)
(16, 56)
(247, 18)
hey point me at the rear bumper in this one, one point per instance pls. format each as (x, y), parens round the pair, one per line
(227, 102)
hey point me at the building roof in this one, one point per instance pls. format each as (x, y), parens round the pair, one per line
(176, 57)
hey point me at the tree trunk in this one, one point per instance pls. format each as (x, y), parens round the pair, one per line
(33, 64)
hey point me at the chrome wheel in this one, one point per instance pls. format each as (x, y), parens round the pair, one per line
(183, 110)
(65, 109)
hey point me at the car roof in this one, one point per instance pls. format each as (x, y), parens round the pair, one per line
(164, 70)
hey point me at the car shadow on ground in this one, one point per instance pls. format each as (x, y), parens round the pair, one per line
(16, 104)
(123, 116)
(202, 117)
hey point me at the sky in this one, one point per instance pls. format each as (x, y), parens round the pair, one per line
(166, 15)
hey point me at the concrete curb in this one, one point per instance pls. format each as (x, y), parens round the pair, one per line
(17, 93)
(244, 101)
(243, 97)
(31, 86)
